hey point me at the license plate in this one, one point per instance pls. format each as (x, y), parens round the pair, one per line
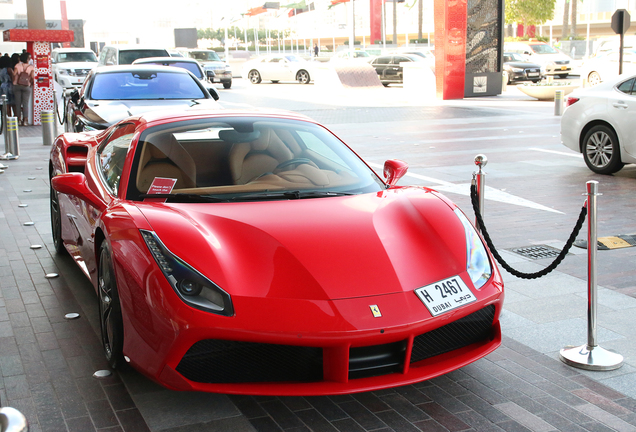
(216, 79)
(564, 67)
(445, 295)
(533, 74)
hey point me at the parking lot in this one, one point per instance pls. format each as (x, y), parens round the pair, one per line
(534, 194)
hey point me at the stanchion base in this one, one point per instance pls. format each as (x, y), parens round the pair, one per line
(8, 156)
(591, 358)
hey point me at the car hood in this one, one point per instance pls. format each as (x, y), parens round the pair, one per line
(522, 64)
(317, 249)
(102, 114)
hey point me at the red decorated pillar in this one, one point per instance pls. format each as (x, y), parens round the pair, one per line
(450, 48)
(39, 45)
(375, 20)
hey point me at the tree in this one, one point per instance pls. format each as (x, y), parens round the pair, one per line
(573, 20)
(565, 31)
(529, 12)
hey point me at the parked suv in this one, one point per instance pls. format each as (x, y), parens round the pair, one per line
(112, 55)
(71, 65)
(210, 61)
(552, 62)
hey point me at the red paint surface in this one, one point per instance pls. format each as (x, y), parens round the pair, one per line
(450, 48)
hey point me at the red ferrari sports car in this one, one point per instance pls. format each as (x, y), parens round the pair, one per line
(255, 253)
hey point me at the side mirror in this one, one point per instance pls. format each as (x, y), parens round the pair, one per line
(75, 184)
(394, 170)
(73, 95)
(213, 92)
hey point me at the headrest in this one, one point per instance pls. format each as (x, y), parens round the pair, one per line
(232, 136)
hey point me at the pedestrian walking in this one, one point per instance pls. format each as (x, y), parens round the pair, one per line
(23, 76)
(6, 84)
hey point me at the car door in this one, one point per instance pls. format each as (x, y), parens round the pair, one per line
(622, 109)
(381, 64)
(395, 71)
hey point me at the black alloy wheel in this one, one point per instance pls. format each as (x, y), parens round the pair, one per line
(56, 222)
(254, 76)
(303, 76)
(110, 319)
(601, 150)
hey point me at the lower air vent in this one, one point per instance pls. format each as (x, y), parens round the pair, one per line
(476, 327)
(221, 361)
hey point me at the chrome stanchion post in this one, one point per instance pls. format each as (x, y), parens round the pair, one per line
(4, 128)
(558, 102)
(11, 142)
(479, 180)
(48, 127)
(591, 356)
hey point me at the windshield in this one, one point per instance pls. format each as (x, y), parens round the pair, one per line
(204, 55)
(245, 159)
(191, 66)
(129, 56)
(513, 57)
(141, 85)
(88, 56)
(543, 49)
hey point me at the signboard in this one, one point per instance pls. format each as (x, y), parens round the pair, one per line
(621, 21)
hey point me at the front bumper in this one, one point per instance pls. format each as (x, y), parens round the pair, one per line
(558, 70)
(301, 347)
(68, 81)
(222, 76)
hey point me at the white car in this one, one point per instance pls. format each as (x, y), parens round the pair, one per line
(71, 65)
(552, 62)
(278, 67)
(599, 122)
(604, 65)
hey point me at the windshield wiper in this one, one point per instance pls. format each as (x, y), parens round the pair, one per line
(289, 195)
(185, 197)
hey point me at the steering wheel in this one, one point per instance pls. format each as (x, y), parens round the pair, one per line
(296, 161)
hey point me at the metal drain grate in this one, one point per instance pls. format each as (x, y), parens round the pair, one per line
(537, 252)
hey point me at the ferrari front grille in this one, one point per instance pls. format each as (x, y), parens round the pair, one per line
(222, 361)
(473, 328)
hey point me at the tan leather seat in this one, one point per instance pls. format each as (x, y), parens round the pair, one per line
(249, 160)
(163, 156)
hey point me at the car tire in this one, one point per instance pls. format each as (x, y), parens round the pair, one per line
(227, 84)
(275, 81)
(593, 79)
(254, 76)
(109, 308)
(535, 81)
(601, 150)
(302, 76)
(385, 84)
(563, 76)
(56, 220)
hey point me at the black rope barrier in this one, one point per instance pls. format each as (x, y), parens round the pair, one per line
(57, 111)
(474, 197)
(2, 111)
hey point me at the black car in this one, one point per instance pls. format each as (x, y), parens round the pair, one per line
(520, 70)
(389, 69)
(112, 93)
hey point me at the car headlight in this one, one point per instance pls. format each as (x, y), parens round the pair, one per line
(517, 69)
(550, 64)
(191, 286)
(477, 262)
(63, 72)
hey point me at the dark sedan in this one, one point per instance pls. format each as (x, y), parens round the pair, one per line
(113, 93)
(519, 69)
(389, 69)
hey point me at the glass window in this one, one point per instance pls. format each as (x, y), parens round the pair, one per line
(129, 56)
(626, 86)
(76, 57)
(112, 155)
(145, 85)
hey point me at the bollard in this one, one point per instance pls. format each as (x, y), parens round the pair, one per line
(591, 356)
(4, 128)
(558, 102)
(479, 180)
(48, 127)
(11, 142)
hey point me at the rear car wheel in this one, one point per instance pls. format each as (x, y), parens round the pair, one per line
(227, 84)
(254, 76)
(110, 320)
(601, 150)
(303, 76)
(593, 79)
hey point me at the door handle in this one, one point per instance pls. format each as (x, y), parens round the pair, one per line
(620, 104)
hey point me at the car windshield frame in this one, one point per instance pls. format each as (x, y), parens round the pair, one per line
(191, 66)
(145, 84)
(205, 56)
(543, 49)
(203, 157)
